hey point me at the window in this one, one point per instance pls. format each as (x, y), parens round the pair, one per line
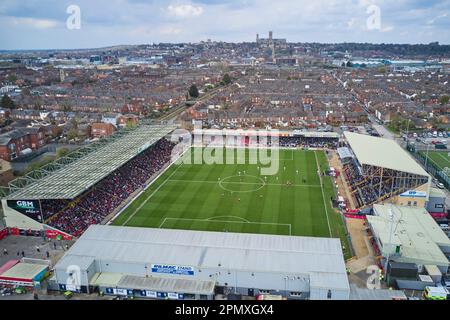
(409, 203)
(295, 294)
(264, 291)
(329, 294)
(415, 203)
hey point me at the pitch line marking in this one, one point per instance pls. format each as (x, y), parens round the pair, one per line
(440, 155)
(227, 221)
(151, 195)
(240, 218)
(323, 194)
(237, 182)
(245, 183)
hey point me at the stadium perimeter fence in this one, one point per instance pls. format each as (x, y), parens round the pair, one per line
(431, 168)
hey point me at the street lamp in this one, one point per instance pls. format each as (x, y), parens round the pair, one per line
(426, 157)
(391, 219)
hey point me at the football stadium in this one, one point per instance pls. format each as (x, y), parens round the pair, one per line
(238, 198)
(210, 217)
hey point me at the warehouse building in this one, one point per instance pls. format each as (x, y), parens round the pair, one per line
(182, 264)
(411, 236)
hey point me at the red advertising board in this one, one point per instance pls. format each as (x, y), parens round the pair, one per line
(53, 234)
(3, 233)
(14, 231)
(354, 216)
(438, 215)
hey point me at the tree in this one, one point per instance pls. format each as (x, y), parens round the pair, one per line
(193, 91)
(12, 78)
(62, 152)
(349, 64)
(72, 134)
(7, 102)
(226, 79)
(444, 99)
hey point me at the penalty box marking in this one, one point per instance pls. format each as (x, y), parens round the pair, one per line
(228, 221)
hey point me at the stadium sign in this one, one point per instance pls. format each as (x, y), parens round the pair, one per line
(172, 269)
(414, 194)
(30, 208)
(120, 292)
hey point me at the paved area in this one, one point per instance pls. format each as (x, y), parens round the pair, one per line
(343, 188)
(356, 229)
(385, 133)
(15, 245)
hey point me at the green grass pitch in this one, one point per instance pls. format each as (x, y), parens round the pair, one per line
(440, 159)
(237, 198)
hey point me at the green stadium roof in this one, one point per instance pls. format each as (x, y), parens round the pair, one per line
(84, 168)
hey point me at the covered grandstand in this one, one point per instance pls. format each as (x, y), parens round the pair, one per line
(379, 169)
(88, 184)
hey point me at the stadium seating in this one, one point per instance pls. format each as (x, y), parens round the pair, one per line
(366, 190)
(75, 216)
(299, 141)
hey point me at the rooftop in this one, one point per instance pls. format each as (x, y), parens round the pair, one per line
(24, 271)
(384, 153)
(230, 251)
(72, 179)
(414, 230)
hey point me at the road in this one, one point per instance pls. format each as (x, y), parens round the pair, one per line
(180, 108)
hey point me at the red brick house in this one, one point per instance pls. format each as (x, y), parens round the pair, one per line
(102, 130)
(12, 144)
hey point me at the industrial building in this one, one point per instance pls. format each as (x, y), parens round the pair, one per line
(411, 236)
(182, 264)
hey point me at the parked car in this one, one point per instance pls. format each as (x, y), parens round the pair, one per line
(440, 185)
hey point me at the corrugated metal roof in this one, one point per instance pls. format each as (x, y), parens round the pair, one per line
(168, 284)
(78, 176)
(329, 280)
(232, 251)
(384, 153)
(106, 279)
(24, 271)
(377, 294)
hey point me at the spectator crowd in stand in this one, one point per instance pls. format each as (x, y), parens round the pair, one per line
(366, 190)
(75, 216)
(313, 142)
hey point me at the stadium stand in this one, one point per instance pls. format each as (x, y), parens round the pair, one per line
(89, 184)
(380, 172)
(74, 217)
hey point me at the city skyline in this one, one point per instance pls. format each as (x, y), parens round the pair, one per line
(45, 24)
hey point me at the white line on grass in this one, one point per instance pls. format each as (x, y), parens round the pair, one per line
(440, 155)
(240, 218)
(250, 183)
(323, 194)
(228, 221)
(151, 195)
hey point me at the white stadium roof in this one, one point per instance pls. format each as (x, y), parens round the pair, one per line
(74, 178)
(384, 153)
(232, 251)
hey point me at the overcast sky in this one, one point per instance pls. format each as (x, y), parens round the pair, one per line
(38, 24)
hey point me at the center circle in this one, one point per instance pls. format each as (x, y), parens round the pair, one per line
(242, 183)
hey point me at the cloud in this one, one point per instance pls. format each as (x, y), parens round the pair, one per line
(41, 23)
(170, 31)
(35, 23)
(432, 21)
(185, 10)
